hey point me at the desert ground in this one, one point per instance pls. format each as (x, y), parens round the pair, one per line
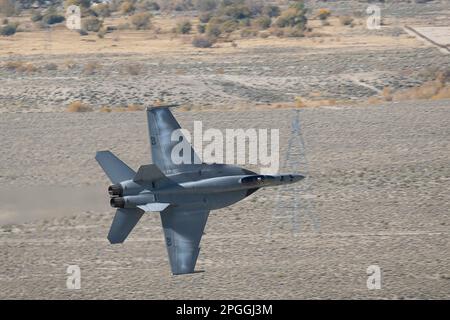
(378, 167)
(379, 178)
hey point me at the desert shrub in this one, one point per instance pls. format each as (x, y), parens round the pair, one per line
(243, 23)
(205, 5)
(287, 18)
(213, 28)
(20, 66)
(135, 107)
(218, 25)
(323, 13)
(8, 8)
(294, 33)
(111, 28)
(51, 17)
(78, 106)
(8, 30)
(271, 11)
(105, 109)
(141, 21)
(101, 33)
(229, 26)
(256, 7)
(146, 5)
(182, 5)
(238, 11)
(12, 65)
(345, 20)
(427, 90)
(91, 68)
(184, 27)
(36, 16)
(264, 35)
(294, 16)
(91, 24)
(444, 93)
(154, 6)
(201, 28)
(432, 89)
(247, 33)
(102, 10)
(80, 3)
(202, 42)
(278, 32)
(299, 102)
(127, 7)
(204, 17)
(263, 22)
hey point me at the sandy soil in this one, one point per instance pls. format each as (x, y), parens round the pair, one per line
(379, 189)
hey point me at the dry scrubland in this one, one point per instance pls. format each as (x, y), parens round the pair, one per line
(331, 64)
(374, 107)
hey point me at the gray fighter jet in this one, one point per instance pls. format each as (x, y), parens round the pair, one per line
(184, 194)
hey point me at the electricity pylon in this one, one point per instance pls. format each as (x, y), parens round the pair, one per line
(294, 203)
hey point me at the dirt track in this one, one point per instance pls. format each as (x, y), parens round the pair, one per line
(380, 183)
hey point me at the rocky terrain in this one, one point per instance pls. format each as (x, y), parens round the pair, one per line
(379, 190)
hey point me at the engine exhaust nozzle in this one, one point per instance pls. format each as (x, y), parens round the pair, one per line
(115, 190)
(117, 202)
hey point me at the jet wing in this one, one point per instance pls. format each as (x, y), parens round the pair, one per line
(161, 124)
(183, 231)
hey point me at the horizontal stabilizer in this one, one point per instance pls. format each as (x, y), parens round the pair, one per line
(154, 207)
(115, 169)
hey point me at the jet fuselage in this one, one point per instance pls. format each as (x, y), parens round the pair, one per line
(210, 187)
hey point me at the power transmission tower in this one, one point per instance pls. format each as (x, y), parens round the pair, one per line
(294, 203)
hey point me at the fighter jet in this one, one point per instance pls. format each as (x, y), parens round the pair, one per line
(183, 194)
